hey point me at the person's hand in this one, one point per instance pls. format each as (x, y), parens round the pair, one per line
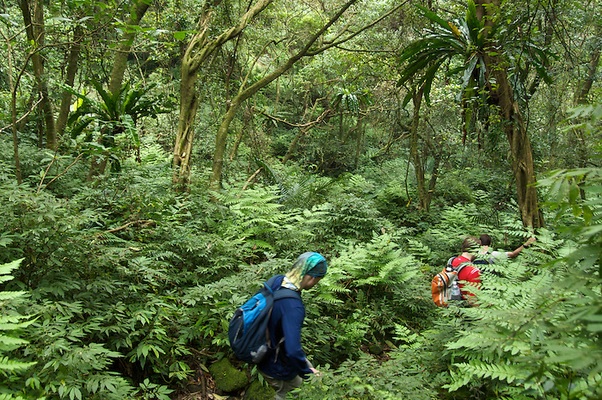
(529, 241)
(316, 372)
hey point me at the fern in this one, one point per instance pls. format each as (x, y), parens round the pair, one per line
(419, 250)
(11, 326)
(503, 372)
(262, 225)
(369, 378)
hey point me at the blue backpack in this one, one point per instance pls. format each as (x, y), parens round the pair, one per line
(248, 330)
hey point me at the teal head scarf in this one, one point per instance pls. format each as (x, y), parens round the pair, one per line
(310, 263)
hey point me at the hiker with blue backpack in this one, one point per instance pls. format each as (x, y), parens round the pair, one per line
(266, 330)
(285, 364)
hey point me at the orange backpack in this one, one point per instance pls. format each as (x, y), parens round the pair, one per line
(444, 286)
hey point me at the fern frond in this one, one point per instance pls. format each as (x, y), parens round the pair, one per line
(8, 343)
(419, 249)
(9, 365)
(503, 372)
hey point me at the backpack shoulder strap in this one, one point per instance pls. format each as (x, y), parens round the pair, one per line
(273, 283)
(277, 291)
(284, 293)
(459, 267)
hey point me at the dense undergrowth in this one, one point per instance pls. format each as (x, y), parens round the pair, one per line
(122, 288)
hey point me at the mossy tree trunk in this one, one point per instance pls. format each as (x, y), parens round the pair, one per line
(13, 112)
(502, 96)
(139, 8)
(72, 62)
(420, 157)
(200, 47)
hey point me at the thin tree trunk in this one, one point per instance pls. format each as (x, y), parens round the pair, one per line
(415, 156)
(293, 145)
(125, 46)
(34, 28)
(72, 62)
(592, 68)
(434, 176)
(220, 144)
(185, 136)
(550, 23)
(13, 112)
(577, 139)
(360, 138)
(247, 124)
(98, 165)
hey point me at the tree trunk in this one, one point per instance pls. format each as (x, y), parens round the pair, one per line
(13, 114)
(361, 131)
(293, 145)
(247, 125)
(34, 28)
(74, 52)
(502, 96)
(139, 8)
(577, 139)
(220, 145)
(423, 201)
(185, 136)
(590, 78)
(98, 165)
(197, 52)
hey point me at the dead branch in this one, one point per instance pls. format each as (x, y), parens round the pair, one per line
(143, 223)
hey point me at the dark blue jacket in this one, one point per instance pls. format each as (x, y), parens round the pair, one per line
(286, 361)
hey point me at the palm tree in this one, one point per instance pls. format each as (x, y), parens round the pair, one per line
(485, 79)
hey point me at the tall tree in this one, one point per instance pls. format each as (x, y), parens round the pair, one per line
(503, 96)
(419, 159)
(137, 11)
(485, 67)
(311, 45)
(13, 108)
(33, 18)
(117, 97)
(578, 138)
(72, 64)
(200, 47)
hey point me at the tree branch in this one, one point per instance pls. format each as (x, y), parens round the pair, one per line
(336, 43)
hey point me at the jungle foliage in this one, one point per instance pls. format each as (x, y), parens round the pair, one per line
(117, 284)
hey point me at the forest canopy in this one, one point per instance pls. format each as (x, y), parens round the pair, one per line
(161, 159)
